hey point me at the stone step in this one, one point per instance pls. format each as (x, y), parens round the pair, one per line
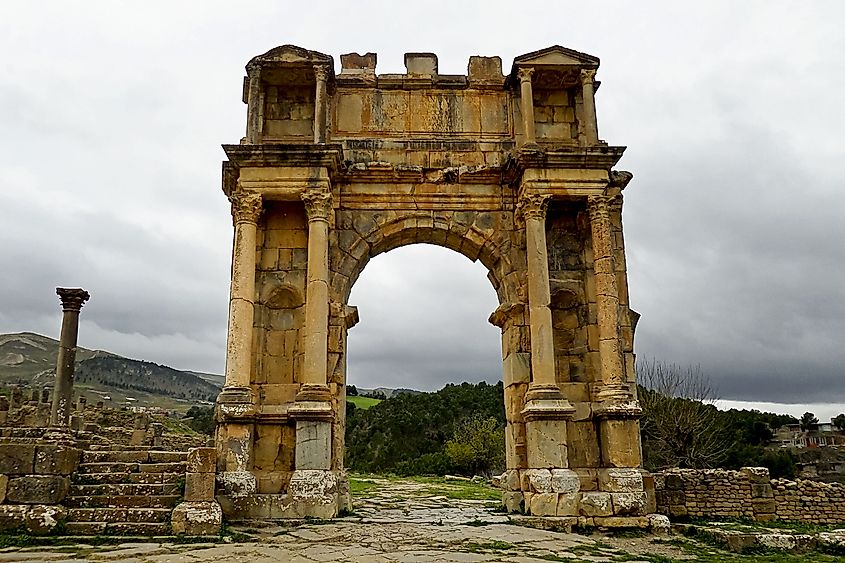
(133, 456)
(117, 501)
(126, 478)
(125, 489)
(118, 528)
(131, 467)
(117, 515)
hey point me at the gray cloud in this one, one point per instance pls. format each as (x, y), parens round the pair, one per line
(109, 178)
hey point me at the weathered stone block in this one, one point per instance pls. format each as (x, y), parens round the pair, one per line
(43, 519)
(629, 504)
(237, 483)
(202, 460)
(620, 443)
(312, 483)
(16, 459)
(568, 504)
(313, 445)
(37, 489)
(596, 504)
(197, 518)
(56, 459)
(12, 517)
(620, 480)
(539, 480)
(199, 487)
(546, 444)
(511, 481)
(4, 483)
(514, 501)
(544, 504)
(565, 481)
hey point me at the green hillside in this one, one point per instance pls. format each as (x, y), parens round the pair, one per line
(363, 402)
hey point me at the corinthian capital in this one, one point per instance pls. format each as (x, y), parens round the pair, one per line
(524, 74)
(587, 75)
(246, 207)
(533, 206)
(72, 298)
(318, 204)
(321, 72)
(598, 206)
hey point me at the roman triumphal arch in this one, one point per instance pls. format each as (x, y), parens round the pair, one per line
(508, 169)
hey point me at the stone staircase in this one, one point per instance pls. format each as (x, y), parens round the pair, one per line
(125, 492)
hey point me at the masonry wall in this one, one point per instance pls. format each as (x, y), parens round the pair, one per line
(747, 493)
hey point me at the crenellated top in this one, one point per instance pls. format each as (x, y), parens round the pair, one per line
(546, 101)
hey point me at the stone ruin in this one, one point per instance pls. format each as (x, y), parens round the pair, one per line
(508, 169)
(336, 168)
(65, 469)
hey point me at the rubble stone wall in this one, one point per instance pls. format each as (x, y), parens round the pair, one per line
(747, 493)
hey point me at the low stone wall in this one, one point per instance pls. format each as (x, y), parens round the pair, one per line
(34, 481)
(747, 493)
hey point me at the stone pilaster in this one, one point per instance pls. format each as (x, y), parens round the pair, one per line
(526, 101)
(588, 92)
(322, 75)
(546, 410)
(72, 301)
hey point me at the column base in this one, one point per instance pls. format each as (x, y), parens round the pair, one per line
(311, 494)
(236, 402)
(615, 393)
(312, 392)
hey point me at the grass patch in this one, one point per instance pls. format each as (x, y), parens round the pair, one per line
(362, 402)
(495, 545)
(458, 489)
(360, 486)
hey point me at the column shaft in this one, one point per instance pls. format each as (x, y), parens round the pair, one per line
(527, 104)
(589, 101)
(253, 121)
(322, 74)
(607, 295)
(316, 330)
(542, 343)
(246, 207)
(72, 301)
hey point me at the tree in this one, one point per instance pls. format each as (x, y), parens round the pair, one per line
(839, 421)
(680, 426)
(201, 419)
(808, 420)
(351, 391)
(477, 447)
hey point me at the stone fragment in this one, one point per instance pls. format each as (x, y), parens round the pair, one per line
(43, 519)
(4, 483)
(596, 504)
(544, 504)
(12, 517)
(615, 480)
(202, 460)
(565, 481)
(56, 459)
(197, 518)
(199, 487)
(568, 504)
(514, 501)
(659, 524)
(37, 489)
(629, 504)
(539, 480)
(16, 459)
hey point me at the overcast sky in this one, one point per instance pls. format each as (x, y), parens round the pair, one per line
(112, 115)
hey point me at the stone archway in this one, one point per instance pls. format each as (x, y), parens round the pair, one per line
(508, 170)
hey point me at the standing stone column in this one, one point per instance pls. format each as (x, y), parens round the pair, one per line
(254, 110)
(236, 403)
(546, 410)
(526, 100)
(618, 411)
(246, 208)
(72, 301)
(591, 129)
(322, 75)
(614, 386)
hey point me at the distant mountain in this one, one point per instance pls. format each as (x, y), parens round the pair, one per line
(387, 391)
(28, 358)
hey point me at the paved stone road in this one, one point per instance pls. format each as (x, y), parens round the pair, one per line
(398, 522)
